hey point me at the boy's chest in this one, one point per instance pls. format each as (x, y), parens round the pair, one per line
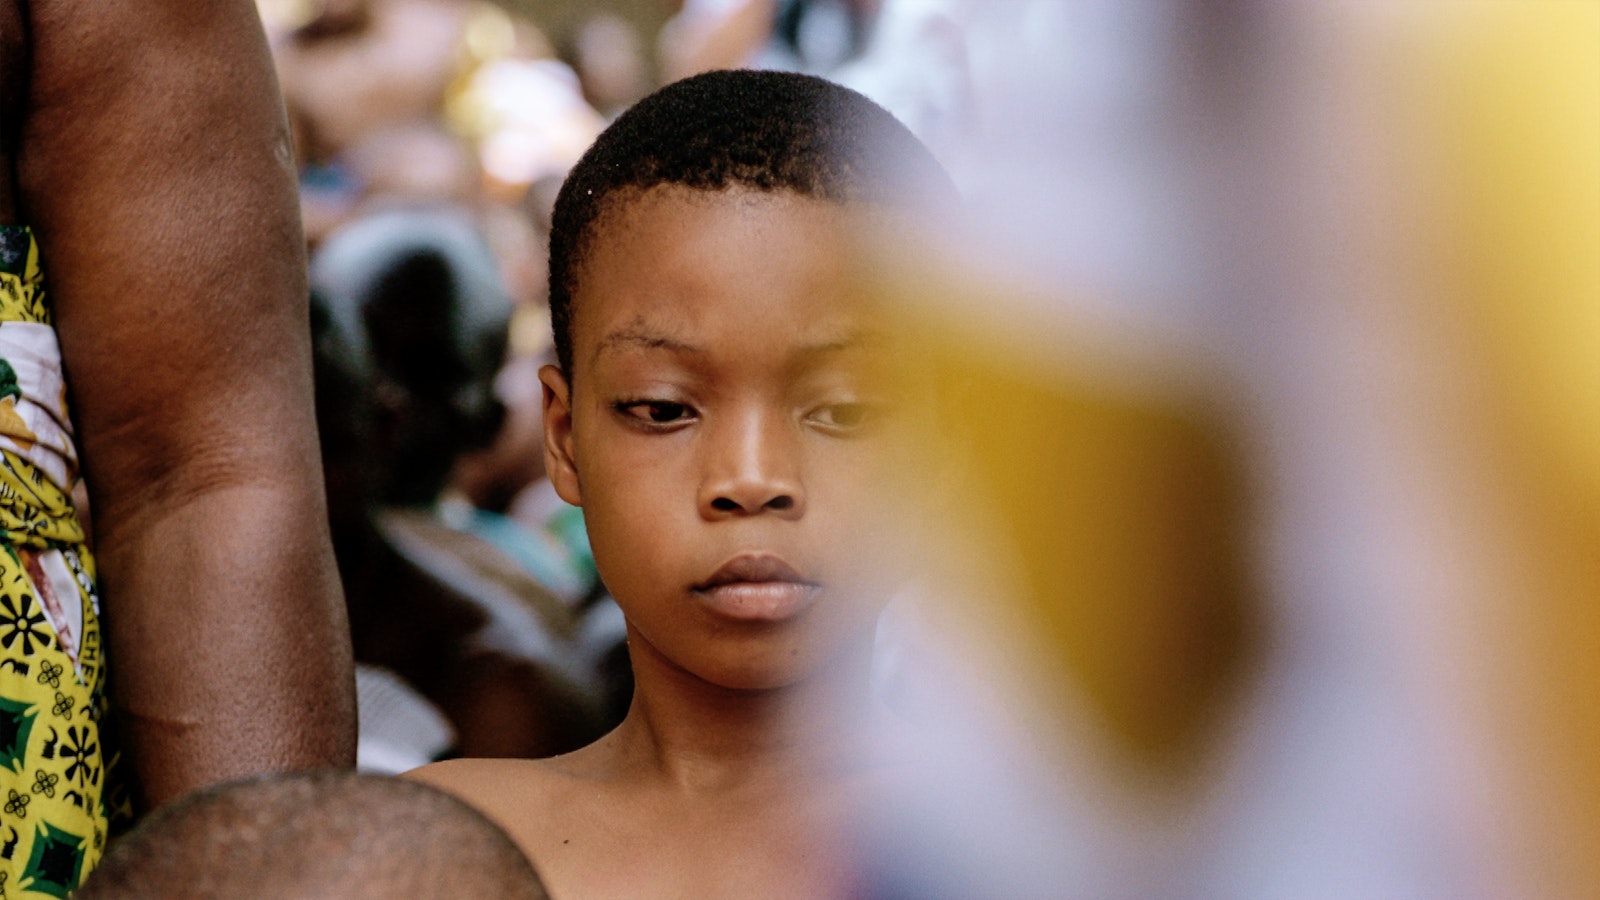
(788, 850)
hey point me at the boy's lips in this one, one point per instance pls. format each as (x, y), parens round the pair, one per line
(757, 587)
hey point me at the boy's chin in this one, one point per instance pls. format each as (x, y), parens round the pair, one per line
(767, 677)
(756, 682)
(792, 667)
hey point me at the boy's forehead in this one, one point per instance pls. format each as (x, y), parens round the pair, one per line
(665, 211)
(667, 262)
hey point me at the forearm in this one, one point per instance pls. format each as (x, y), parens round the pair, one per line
(154, 164)
(228, 647)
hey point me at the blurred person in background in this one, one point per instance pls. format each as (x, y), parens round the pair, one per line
(160, 289)
(419, 163)
(412, 321)
(506, 480)
(476, 125)
(355, 68)
(609, 58)
(351, 68)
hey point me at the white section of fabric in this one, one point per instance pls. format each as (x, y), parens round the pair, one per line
(62, 605)
(35, 356)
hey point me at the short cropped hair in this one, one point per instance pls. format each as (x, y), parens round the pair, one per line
(770, 131)
(315, 834)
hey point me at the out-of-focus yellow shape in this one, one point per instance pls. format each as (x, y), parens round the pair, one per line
(1086, 514)
(1508, 109)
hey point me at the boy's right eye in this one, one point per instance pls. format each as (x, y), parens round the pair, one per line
(655, 412)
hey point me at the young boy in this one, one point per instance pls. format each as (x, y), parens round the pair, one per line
(719, 411)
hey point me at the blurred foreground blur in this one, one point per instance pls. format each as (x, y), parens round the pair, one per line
(1276, 347)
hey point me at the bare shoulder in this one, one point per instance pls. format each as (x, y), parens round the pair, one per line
(467, 778)
(531, 799)
(491, 784)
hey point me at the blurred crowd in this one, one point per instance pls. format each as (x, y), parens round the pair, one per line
(430, 138)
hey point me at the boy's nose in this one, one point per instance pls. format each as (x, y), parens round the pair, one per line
(754, 470)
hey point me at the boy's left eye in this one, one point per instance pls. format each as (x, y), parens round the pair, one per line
(656, 412)
(845, 417)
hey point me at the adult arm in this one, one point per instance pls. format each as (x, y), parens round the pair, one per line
(154, 164)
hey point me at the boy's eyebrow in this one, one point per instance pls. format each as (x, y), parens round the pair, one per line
(855, 340)
(642, 337)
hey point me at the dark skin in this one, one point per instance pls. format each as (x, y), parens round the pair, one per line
(149, 151)
(725, 405)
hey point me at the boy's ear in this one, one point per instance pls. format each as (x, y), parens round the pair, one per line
(559, 462)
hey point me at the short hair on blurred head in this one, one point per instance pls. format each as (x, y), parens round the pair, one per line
(315, 834)
(769, 131)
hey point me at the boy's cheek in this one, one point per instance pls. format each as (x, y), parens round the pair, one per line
(876, 480)
(864, 529)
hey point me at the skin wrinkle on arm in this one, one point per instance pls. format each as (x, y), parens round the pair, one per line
(151, 166)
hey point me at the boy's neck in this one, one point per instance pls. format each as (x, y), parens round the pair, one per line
(700, 736)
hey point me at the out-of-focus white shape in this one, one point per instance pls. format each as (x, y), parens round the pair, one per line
(990, 813)
(1072, 164)
(398, 729)
(915, 66)
(1341, 777)
(529, 117)
(279, 16)
(703, 9)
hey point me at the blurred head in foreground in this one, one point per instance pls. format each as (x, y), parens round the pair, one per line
(313, 835)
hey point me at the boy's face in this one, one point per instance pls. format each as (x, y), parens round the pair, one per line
(726, 431)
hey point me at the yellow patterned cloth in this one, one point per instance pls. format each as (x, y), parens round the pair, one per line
(54, 796)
